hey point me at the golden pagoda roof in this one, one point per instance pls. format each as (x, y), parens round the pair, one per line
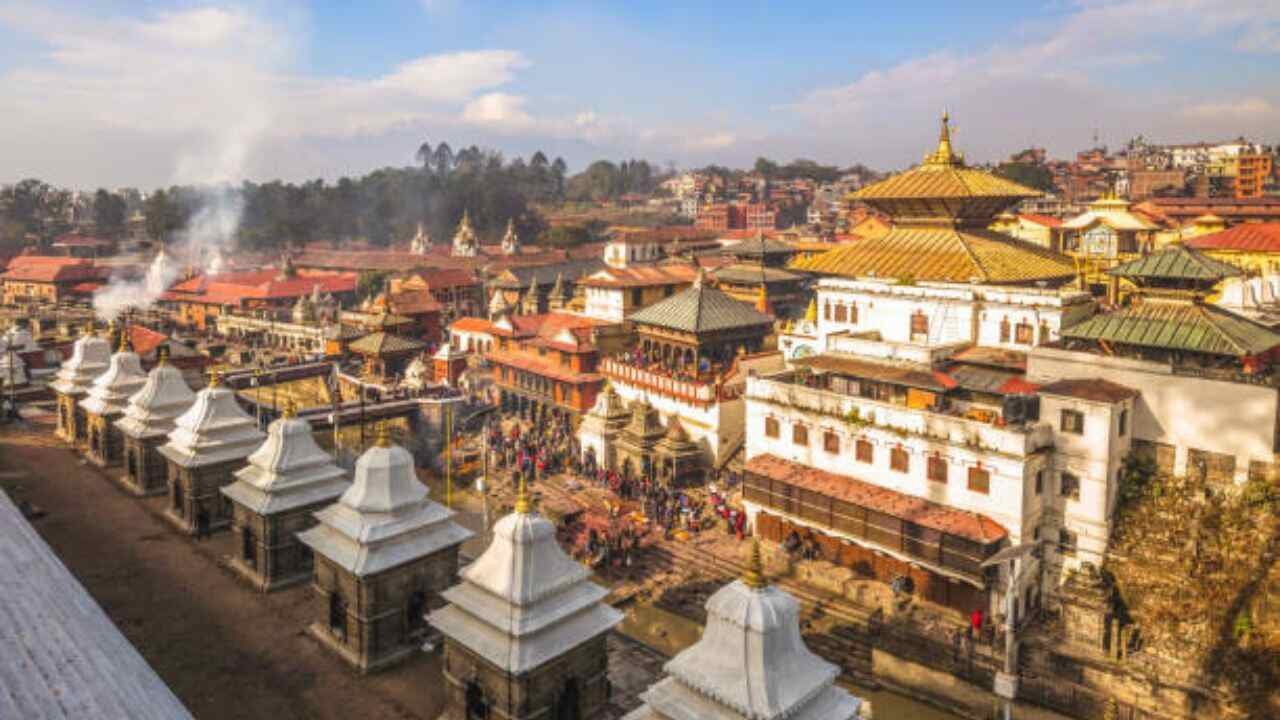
(943, 175)
(943, 254)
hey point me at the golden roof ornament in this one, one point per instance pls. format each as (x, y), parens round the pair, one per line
(753, 577)
(290, 408)
(215, 378)
(125, 344)
(162, 355)
(384, 436)
(944, 156)
(762, 301)
(811, 313)
(524, 504)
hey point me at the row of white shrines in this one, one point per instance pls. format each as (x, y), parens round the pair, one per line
(524, 629)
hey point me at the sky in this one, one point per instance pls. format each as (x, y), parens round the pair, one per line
(146, 93)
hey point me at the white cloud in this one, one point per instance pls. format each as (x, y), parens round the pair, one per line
(498, 110)
(1243, 108)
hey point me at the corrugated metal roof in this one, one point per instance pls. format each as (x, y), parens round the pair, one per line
(1175, 262)
(63, 659)
(1177, 324)
(699, 309)
(1246, 237)
(942, 254)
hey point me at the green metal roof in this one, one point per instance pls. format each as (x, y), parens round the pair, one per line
(1177, 324)
(698, 309)
(1175, 262)
(753, 274)
(759, 246)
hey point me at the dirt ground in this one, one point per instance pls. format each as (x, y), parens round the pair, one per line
(228, 652)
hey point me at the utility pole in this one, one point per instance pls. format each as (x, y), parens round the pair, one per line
(448, 455)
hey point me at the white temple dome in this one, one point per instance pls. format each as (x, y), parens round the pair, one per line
(288, 471)
(152, 410)
(214, 429)
(90, 356)
(112, 389)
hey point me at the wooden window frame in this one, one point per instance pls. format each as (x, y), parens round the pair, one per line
(1069, 489)
(936, 469)
(979, 480)
(1076, 426)
(831, 442)
(800, 434)
(861, 445)
(899, 457)
(772, 428)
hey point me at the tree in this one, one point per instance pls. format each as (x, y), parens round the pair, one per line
(108, 213)
(766, 167)
(424, 156)
(444, 159)
(1036, 177)
(159, 214)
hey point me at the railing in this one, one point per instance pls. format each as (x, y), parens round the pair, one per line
(1015, 440)
(692, 392)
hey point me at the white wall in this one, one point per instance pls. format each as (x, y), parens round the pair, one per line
(1219, 416)
(702, 424)
(604, 304)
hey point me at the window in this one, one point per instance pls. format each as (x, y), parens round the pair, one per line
(831, 442)
(637, 297)
(1124, 422)
(863, 451)
(919, 323)
(1073, 422)
(771, 427)
(1070, 486)
(841, 313)
(1023, 333)
(1004, 330)
(898, 460)
(826, 311)
(979, 480)
(937, 469)
(1067, 542)
(1040, 481)
(799, 434)
(1044, 333)
(669, 290)
(853, 314)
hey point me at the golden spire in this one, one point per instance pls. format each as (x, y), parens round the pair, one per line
(754, 575)
(88, 327)
(811, 313)
(215, 378)
(162, 354)
(384, 436)
(944, 155)
(290, 408)
(524, 505)
(762, 301)
(125, 344)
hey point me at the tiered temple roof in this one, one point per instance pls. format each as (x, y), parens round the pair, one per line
(750, 664)
(941, 210)
(112, 389)
(214, 429)
(90, 356)
(699, 309)
(385, 518)
(288, 471)
(152, 410)
(524, 602)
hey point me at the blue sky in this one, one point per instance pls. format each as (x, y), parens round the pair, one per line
(148, 93)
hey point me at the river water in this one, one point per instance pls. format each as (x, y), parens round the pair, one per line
(669, 633)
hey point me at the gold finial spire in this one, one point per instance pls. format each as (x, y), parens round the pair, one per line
(524, 505)
(944, 155)
(762, 301)
(754, 575)
(162, 355)
(215, 378)
(384, 436)
(88, 327)
(811, 313)
(290, 408)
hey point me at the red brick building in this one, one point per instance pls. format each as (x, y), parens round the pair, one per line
(546, 364)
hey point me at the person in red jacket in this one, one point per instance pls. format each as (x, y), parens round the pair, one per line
(975, 624)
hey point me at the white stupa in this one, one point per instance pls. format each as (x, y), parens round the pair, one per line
(524, 602)
(213, 430)
(421, 242)
(288, 471)
(385, 518)
(750, 664)
(498, 304)
(90, 356)
(19, 339)
(419, 373)
(510, 240)
(110, 392)
(465, 243)
(152, 410)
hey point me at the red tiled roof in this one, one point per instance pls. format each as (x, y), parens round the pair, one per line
(528, 364)
(1094, 389)
(1046, 220)
(446, 277)
(1017, 386)
(78, 240)
(144, 339)
(45, 268)
(1247, 237)
(235, 287)
(413, 302)
(471, 324)
(968, 525)
(85, 288)
(642, 276)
